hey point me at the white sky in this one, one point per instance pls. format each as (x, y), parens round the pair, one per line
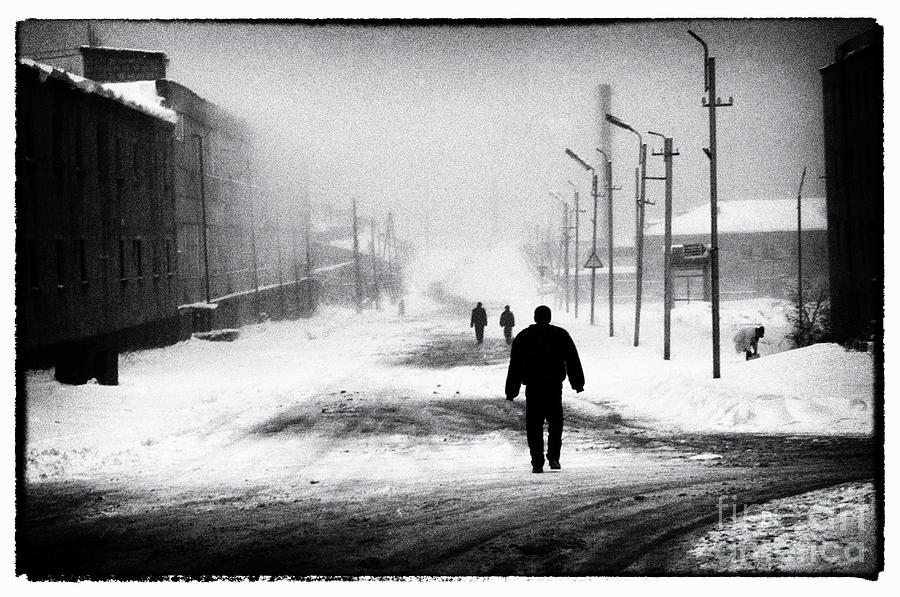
(462, 129)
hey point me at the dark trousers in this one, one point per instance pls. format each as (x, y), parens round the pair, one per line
(507, 333)
(543, 403)
(479, 333)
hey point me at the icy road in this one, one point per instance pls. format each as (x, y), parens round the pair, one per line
(378, 445)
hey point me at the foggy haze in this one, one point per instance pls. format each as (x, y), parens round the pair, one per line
(461, 129)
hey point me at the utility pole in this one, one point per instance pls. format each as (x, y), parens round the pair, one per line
(640, 246)
(356, 261)
(373, 254)
(577, 263)
(394, 263)
(250, 188)
(609, 233)
(280, 275)
(294, 232)
(667, 154)
(566, 250)
(309, 267)
(593, 266)
(593, 261)
(712, 102)
(800, 309)
(309, 284)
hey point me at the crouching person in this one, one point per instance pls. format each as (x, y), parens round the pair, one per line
(747, 341)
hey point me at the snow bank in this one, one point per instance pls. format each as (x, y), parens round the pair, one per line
(820, 389)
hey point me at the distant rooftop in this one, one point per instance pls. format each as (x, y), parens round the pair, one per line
(773, 215)
(118, 50)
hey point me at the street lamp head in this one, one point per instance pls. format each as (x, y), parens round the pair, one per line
(619, 123)
(603, 153)
(584, 164)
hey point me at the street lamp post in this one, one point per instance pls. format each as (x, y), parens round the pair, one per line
(577, 229)
(609, 233)
(593, 261)
(639, 240)
(566, 229)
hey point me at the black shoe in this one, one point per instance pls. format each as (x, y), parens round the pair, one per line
(537, 469)
(554, 464)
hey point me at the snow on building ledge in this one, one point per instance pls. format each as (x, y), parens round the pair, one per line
(140, 95)
(749, 216)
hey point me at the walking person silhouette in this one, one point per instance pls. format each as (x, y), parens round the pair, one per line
(507, 322)
(479, 321)
(542, 356)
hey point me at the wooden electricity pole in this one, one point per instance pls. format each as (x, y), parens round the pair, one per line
(356, 261)
(712, 102)
(800, 310)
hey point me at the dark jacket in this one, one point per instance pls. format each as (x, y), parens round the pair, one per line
(479, 317)
(507, 319)
(543, 354)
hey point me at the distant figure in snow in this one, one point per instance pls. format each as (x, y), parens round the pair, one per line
(541, 357)
(746, 340)
(479, 321)
(507, 322)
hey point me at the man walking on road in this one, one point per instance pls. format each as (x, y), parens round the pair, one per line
(542, 356)
(479, 321)
(507, 322)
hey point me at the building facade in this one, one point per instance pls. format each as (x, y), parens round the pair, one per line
(853, 101)
(95, 223)
(757, 248)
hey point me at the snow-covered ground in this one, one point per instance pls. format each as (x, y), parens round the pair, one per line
(199, 410)
(826, 531)
(821, 389)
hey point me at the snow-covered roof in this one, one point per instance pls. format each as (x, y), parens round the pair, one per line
(115, 49)
(140, 95)
(773, 215)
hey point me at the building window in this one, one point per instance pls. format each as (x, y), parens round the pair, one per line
(136, 170)
(60, 263)
(119, 160)
(137, 253)
(25, 137)
(122, 272)
(189, 251)
(57, 133)
(155, 262)
(82, 262)
(34, 260)
(169, 258)
(102, 149)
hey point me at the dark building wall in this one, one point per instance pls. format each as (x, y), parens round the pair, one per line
(117, 65)
(853, 101)
(95, 224)
(226, 191)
